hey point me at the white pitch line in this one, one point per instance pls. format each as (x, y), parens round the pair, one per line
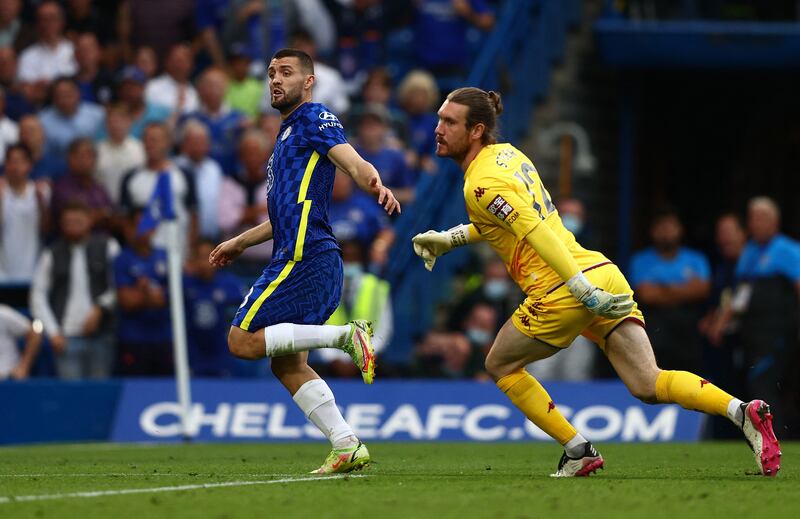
(143, 475)
(178, 488)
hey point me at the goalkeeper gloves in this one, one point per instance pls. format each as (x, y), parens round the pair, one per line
(597, 300)
(432, 244)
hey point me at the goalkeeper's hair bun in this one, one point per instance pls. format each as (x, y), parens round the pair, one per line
(494, 98)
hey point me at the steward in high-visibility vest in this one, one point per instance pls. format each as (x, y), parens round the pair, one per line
(369, 302)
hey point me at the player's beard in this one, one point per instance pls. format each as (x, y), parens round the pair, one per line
(455, 150)
(288, 101)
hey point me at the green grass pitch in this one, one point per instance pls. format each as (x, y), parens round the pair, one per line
(408, 480)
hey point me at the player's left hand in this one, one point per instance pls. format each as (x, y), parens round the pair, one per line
(224, 253)
(385, 196)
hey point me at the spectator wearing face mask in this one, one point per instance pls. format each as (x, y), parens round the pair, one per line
(573, 216)
(480, 329)
(493, 288)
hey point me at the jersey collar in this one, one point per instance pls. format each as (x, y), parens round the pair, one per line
(472, 165)
(295, 114)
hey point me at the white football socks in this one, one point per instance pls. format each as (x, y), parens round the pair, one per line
(574, 447)
(287, 338)
(316, 400)
(735, 412)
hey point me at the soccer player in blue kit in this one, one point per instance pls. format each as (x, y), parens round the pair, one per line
(282, 315)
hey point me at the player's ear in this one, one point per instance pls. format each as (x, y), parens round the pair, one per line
(310, 80)
(477, 131)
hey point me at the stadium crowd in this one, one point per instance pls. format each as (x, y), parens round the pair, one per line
(97, 99)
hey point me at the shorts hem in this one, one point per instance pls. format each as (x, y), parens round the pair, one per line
(623, 321)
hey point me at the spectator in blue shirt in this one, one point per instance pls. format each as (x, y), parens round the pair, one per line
(418, 96)
(46, 166)
(144, 333)
(440, 32)
(224, 125)
(722, 354)
(95, 82)
(768, 253)
(372, 136)
(671, 283)
(768, 306)
(70, 118)
(355, 216)
(17, 104)
(130, 90)
(209, 19)
(212, 298)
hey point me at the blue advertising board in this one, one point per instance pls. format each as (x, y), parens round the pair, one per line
(391, 410)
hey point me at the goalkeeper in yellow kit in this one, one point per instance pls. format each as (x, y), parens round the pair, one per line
(570, 291)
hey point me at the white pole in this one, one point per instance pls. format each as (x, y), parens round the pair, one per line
(175, 277)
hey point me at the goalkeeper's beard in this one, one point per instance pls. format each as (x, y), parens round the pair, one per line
(452, 151)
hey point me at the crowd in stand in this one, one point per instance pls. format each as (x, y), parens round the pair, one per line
(100, 99)
(97, 99)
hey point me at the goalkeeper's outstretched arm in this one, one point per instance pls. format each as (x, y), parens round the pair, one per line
(432, 244)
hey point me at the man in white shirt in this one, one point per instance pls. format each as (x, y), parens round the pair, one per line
(119, 153)
(173, 88)
(52, 55)
(138, 186)
(206, 173)
(73, 295)
(13, 327)
(24, 215)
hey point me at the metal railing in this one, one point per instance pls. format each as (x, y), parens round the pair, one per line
(515, 60)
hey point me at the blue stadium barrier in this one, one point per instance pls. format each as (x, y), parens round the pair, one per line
(516, 60)
(54, 410)
(137, 410)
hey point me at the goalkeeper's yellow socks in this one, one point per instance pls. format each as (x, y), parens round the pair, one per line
(695, 393)
(530, 397)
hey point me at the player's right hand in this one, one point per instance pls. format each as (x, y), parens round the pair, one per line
(386, 198)
(610, 306)
(224, 253)
(430, 245)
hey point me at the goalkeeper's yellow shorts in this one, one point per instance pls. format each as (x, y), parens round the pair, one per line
(557, 318)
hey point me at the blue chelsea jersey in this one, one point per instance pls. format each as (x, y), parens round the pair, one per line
(300, 183)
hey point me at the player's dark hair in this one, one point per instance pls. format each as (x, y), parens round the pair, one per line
(306, 63)
(157, 124)
(22, 148)
(69, 80)
(483, 108)
(665, 212)
(301, 35)
(80, 142)
(733, 216)
(75, 205)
